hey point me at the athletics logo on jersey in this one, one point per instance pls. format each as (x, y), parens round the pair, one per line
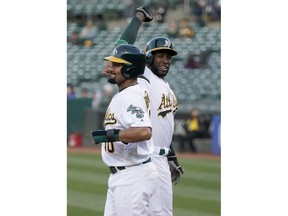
(175, 104)
(109, 118)
(139, 112)
(165, 106)
(147, 101)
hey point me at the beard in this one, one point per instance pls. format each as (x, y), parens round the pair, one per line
(111, 81)
(158, 71)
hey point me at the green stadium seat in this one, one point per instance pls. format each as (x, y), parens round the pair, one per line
(202, 85)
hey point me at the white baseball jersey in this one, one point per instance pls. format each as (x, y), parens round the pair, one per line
(163, 105)
(128, 108)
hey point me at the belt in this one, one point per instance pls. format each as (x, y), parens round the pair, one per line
(115, 169)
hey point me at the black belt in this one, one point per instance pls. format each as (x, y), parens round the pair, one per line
(115, 169)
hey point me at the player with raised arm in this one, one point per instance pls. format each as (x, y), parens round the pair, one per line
(126, 141)
(159, 52)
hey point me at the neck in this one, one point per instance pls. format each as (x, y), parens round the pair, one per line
(127, 83)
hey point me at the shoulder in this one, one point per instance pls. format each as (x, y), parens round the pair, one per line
(134, 95)
(148, 73)
(141, 78)
(144, 83)
(133, 92)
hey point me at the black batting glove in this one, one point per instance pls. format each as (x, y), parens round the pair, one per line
(175, 169)
(145, 13)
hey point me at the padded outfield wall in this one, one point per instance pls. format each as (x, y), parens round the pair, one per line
(81, 119)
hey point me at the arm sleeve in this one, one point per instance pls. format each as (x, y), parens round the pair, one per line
(129, 34)
(172, 152)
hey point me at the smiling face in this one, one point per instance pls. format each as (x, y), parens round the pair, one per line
(115, 73)
(161, 63)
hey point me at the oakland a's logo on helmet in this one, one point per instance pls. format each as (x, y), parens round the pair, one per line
(114, 52)
(167, 43)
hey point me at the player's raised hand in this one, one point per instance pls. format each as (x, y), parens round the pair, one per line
(145, 16)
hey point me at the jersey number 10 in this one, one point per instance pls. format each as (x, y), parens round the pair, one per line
(109, 147)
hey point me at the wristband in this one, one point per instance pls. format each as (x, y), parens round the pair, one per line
(110, 135)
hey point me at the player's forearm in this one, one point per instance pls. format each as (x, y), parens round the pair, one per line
(130, 135)
(134, 134)
(129, 34)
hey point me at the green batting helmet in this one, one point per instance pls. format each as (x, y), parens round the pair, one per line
(132, 57)
(158, 44)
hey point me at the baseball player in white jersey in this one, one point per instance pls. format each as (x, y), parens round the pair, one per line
(126, 141)
(159, 52)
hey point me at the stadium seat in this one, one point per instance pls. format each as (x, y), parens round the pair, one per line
(200, 85)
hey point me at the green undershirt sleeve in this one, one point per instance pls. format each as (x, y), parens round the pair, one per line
(129, 34)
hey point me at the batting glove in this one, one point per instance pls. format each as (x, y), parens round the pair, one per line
(144, 12)
(175, 169)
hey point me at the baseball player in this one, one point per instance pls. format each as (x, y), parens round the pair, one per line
(159, 52)
(126, 141)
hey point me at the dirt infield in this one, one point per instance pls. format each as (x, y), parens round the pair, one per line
(96, 150)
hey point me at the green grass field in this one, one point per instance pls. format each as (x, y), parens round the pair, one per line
(197, 194)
